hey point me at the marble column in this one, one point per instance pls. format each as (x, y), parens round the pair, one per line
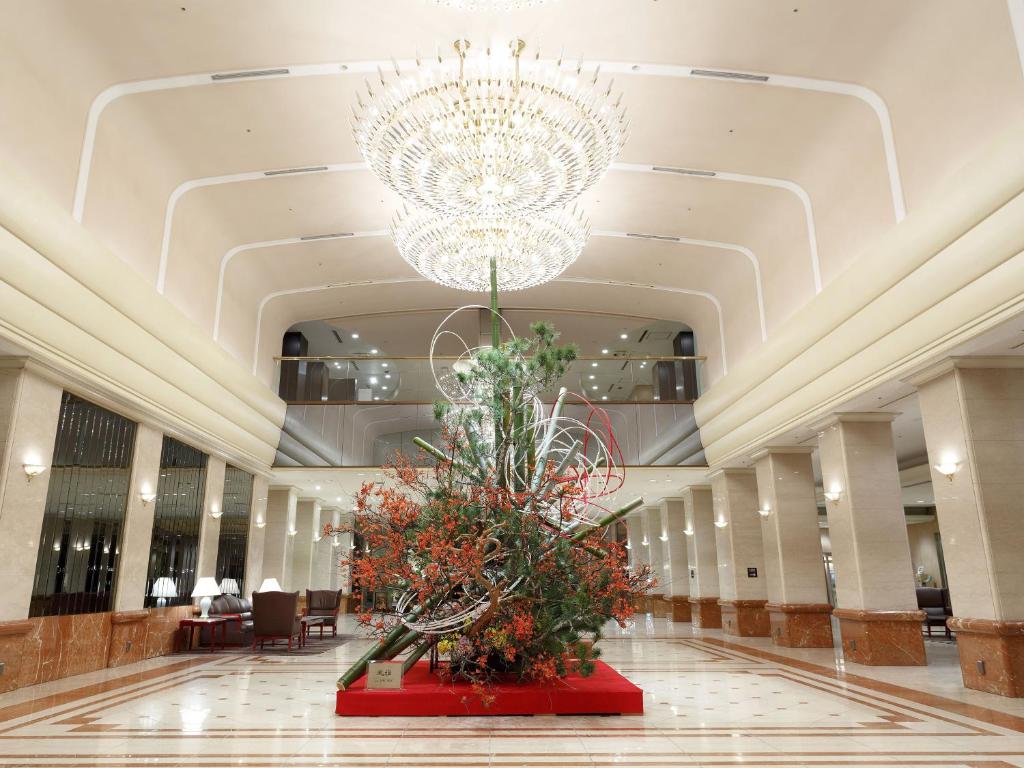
(137, 535)
(277, 544)
(323, 552)
(875, 590)
(673, 523)
(209, 528)
(29, 411)
(656, 552)
(257, 535)
(307, 528)
(798, 605)
(972, 410)
(702, 557)
(741, 575)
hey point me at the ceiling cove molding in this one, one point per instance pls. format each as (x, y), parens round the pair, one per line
(225, 260)
(742, 178)
(401, 280)
(227, 257)
(870, 97)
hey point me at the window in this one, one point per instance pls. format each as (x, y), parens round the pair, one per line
(234, 526)
(177, 518)
(79, 543)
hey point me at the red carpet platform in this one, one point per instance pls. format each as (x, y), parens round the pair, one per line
(424, 694)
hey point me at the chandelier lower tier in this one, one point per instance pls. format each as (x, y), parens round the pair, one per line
(490, 135)
(457, 250)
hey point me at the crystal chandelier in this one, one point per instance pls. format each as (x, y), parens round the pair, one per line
(490, 135)
(457, 251)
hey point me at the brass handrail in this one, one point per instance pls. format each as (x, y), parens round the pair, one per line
(647, 358)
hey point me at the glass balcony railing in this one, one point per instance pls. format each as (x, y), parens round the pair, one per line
(612, 379)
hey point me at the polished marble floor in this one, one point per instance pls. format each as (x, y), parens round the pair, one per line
(709, 701)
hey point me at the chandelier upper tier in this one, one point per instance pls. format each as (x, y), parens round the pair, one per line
(458, 251)
(494, 134)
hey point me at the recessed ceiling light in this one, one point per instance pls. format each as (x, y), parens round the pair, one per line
(373, 351)
(318, 487)
(387, 375)
(384, 364)
(338, 498)
(604, 397)
(591, 376)
(604, 351)
(384, 387)
(623, 335)
(373, 379)
(355, 335)
(594, 387)
(376, 398)
(593, 365)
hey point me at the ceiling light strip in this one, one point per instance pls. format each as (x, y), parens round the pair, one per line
(867, 95)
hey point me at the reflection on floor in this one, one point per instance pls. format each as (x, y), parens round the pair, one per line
(710, 702)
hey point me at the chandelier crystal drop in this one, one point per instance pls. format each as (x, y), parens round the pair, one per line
(492, 135)
(457, 250)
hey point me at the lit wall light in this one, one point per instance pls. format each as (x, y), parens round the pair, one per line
(948, 467)
(663, 537)
(261, 523)
(33, 467)
(147, 494)
(834, 493)
(721, 523)
(688, 531)
(645, 542)
(764, 511)
(216, 511)
(293, 531)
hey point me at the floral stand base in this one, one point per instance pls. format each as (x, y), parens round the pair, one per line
(424, 694)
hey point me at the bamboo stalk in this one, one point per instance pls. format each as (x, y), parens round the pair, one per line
(415, 656)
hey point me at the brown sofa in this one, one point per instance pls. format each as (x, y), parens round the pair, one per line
(238, 631)
(324, 602)
(935, 604)
(275, 617)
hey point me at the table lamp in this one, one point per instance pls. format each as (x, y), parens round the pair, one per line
(207, 589)
(270, 585)
(229, 586)
(163, 588)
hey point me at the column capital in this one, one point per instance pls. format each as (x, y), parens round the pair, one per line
(731, 472)
(853, 417)
(949, 364)
(788, 449)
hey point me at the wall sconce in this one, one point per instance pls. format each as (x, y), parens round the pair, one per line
(293, 531)
(216, 511)
(721, 523)
(147, 495)
(663, 537)
(33, 469)
(628, 545)
(261, 523)
(834, 493)
(764, 511)
(948, 468)
(645, 542)
(688, 531)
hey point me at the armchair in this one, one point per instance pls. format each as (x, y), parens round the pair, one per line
(325, 603)
(275, 617)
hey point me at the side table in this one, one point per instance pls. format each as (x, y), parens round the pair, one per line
(213, 622)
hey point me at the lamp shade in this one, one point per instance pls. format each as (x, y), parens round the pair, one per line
(206, 587)
(270, 585)
(229, 586)
(164, 587)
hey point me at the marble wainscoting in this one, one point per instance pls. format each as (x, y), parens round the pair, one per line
(991, 654)
(882, 638)
(801, 625)
(680, 608)
(745, 618)
(705, 612)
(46, 648)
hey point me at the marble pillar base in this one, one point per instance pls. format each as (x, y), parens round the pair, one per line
(681, 609)
(12, 647)
(128, 630)
(745, 618)
(991, 654)
(659, 608)
(705, 612)
(801, 625)
(882, 638)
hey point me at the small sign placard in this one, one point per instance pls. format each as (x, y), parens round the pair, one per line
(751, 573)
(384, 675)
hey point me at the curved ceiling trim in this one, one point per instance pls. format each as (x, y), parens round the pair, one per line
(227, 257)
(400, 280)
(702, 173)
(870, 97)
(225, 260)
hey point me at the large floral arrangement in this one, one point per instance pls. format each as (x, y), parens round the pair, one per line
(500, 552)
